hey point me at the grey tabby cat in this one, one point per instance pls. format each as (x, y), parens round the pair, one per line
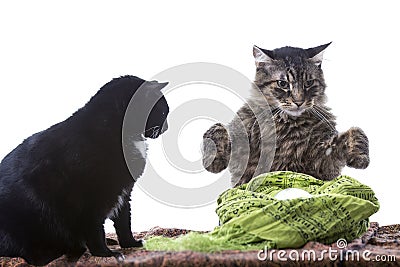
(299, 135)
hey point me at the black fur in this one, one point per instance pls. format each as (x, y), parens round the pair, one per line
(58, 186)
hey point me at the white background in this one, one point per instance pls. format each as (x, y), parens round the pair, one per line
(54, 56)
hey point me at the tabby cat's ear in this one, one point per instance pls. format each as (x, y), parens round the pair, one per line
(262, 56)
(315, 54)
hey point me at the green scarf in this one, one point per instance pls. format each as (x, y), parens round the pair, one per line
(251, 218)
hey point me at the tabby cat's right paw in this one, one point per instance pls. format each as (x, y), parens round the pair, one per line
(216, 148)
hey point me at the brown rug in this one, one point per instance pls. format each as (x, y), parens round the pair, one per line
(380, 246)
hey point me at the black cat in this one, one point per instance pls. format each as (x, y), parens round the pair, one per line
(58, 186)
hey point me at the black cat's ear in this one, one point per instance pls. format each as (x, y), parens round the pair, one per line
(156, 85)
(262, 56)
(315, 54)
(162, 85)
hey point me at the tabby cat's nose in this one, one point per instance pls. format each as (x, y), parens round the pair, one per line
(299, 103)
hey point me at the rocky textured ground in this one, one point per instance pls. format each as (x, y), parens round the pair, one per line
(380, 246)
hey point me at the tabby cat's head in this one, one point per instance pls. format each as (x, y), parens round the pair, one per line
(291, 78)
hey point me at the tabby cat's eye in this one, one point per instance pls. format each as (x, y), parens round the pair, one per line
(283, 84)
(308, 83)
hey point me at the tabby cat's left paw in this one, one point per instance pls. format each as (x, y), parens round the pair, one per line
(358, 148)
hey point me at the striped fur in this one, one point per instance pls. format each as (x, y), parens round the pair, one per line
(299, 135)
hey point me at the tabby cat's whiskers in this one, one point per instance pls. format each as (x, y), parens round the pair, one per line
(292, 82)
(319, 112)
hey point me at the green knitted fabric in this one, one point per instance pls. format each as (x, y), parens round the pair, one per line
(251, 218)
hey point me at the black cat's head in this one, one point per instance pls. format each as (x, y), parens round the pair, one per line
(156, 123)
(291, 79)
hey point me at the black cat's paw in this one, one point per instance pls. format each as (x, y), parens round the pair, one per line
(75, 254)
(216, 148)
(132, 243)
(357, 148)
(118, 256)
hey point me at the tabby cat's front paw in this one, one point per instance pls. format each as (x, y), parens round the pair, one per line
(216, 148)
(357, 148)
